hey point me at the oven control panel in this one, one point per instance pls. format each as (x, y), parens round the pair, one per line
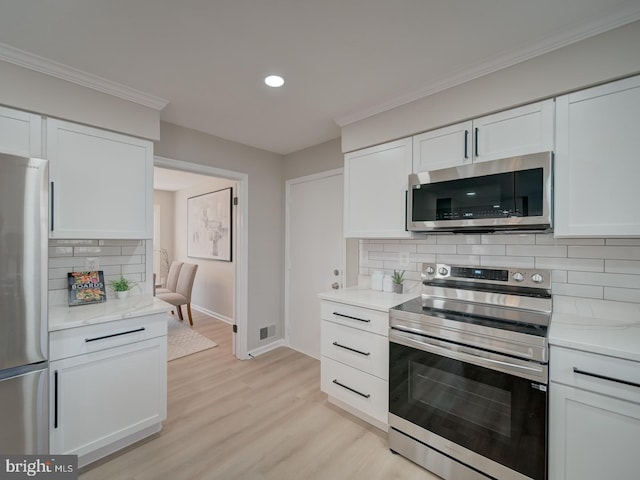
(516, 277)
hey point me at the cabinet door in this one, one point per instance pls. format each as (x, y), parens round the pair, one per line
(442, 148)
(376, 182)
(519, 131)
(20, 133)
(597, 163)
(100, 398)
(102, 183)
(592, 436)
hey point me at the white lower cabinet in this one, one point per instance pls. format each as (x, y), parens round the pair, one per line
(355, 360)
(113, 396)
(594, 422)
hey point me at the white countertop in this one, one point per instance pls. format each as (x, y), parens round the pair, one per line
(607, 328)
(62, 316)
(367, 298)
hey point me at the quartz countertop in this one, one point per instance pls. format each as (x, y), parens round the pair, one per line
(367, 298)
(596, 326)
(62, 316)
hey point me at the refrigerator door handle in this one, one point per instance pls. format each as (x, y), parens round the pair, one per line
(55, 399)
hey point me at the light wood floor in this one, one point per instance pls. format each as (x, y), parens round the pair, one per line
(257, 419)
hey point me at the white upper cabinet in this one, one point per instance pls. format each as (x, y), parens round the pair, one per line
(597, 167)
(20, 133)
(519, 131)
(376, 180)
(101, 183)
(443, 148)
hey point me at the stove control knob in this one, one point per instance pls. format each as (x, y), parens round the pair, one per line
(443, 271)
(518, 277)
(430, 270)
(537, 278)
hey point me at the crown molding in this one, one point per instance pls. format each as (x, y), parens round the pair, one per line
(64, 72)
(491, 65)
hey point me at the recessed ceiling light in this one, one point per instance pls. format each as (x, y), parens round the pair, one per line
(274, 81)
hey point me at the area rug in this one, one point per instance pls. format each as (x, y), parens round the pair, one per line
(183, 341)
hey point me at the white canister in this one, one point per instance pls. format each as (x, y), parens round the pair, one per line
(376, 281)
(387, 283)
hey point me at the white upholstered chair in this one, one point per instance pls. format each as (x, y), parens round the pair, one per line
(182, 294)
(172, 278)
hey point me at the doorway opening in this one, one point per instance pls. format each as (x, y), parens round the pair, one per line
(220, 289)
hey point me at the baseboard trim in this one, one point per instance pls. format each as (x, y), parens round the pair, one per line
(267, 348)
(215, 315)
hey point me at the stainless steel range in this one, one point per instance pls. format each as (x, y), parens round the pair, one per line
(468, 373)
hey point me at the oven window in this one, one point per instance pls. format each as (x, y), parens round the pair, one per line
(497, 415)
(486, 406)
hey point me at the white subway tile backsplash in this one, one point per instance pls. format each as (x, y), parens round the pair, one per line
(605, 279)
(537, 250)
(623, 241)
(120, 243)
(482, 249)
(508, 239)
(500, 261)
(96, 251)
(606, 252)
(622, 266)
(400, 247)
(571, 290)
(581, 264)
(458, 259)
(622, 294)
(457, 239)
(114, 257)
(60, 251)
(549, 239)
(448, 249)
(595, 268)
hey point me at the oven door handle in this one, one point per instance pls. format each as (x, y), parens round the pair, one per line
(492, 361)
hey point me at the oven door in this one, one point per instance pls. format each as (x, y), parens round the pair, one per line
(461, 398)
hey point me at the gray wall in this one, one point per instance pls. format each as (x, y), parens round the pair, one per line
(36, 92)
(598, 59)
(319, 158)
(265, 223)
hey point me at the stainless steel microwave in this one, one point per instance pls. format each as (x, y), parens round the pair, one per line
(512, 194)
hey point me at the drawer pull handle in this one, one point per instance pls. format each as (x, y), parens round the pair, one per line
(604, 377)
(95, 339)
(365, 395)
(352, 318)
(366, 354)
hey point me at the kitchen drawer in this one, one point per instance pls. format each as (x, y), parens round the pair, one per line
(92, 338)
(563, 361)
(365, 351)
(357, 317)
(358, 389)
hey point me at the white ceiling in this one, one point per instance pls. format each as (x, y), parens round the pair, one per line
(342, 59)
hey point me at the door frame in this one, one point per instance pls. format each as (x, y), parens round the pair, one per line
(287, 243)
(240, 254)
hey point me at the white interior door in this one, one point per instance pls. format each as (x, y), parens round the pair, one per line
(314, 254)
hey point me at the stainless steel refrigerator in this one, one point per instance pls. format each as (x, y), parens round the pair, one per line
(24, 391)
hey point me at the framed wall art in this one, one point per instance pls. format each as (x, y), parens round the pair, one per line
(209, 226)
